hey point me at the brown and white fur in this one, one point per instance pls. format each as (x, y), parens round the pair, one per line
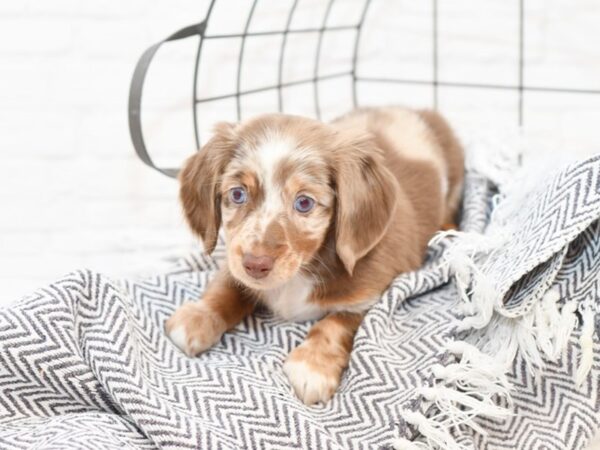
(383, 182)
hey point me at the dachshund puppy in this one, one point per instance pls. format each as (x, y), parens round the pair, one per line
(318, 220)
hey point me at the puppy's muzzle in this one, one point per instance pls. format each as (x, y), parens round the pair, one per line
(257, 266)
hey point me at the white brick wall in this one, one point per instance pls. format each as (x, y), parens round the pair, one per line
(72, 192)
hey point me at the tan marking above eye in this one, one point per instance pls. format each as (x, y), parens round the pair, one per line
(239, 171)
(246, 178)
(321, 193)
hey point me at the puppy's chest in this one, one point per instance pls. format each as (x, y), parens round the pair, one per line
(292, 300)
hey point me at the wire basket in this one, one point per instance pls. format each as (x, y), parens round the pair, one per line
(350, 21)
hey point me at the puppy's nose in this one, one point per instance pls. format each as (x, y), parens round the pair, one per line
(257, 266)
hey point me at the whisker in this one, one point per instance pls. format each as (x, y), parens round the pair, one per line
(318, 278)
(320, 261)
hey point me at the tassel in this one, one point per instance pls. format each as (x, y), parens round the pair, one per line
(565, 328)
(462, 407)
(587, 343)
(437, 434)
(547, 318)
(461, 392)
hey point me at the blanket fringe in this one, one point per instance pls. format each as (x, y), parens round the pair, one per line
(586, 342)
(545, 330)
(472, 386)
(461, 392)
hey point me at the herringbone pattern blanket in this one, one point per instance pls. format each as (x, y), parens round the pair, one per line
(490, 345)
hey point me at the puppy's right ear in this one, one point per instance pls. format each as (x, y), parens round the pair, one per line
(200, 181)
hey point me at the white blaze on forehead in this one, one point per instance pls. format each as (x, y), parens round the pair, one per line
(270, 154)
(265, 160)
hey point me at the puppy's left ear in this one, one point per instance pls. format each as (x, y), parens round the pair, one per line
(366, 198)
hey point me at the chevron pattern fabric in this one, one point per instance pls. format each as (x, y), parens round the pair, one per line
(549, 410)
(85, 362)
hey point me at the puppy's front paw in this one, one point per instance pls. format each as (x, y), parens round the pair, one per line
(194, 328)
(313, 378)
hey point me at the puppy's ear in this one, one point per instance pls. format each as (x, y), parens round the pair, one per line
(366, 198)
(200, 181)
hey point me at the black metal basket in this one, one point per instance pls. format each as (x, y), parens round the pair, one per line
(353, 76)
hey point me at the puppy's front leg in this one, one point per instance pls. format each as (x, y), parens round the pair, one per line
(197, 326)
(315, 367)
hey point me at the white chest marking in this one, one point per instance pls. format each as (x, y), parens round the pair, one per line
(291, 301)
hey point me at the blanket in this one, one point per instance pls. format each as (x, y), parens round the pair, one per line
(490, 345)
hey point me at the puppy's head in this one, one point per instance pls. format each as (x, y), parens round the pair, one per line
(280, 185)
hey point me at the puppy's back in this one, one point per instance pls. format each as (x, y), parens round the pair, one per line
(453, 155)
(422, 151)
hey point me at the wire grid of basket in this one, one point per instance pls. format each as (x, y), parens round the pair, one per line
(350, 80)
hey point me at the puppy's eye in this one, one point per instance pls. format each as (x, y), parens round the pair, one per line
(303, 204)
(238, 195)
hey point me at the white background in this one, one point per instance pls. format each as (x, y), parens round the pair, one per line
(73, 194)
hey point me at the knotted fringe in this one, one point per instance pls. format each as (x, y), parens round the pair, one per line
(553, 326)
(461, 392)
(545, 329)
(588, 315)
(464, 258)
(472, 386)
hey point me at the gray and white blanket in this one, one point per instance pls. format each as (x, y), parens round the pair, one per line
(490, 345)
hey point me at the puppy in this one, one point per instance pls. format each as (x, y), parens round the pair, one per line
(318, 220)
